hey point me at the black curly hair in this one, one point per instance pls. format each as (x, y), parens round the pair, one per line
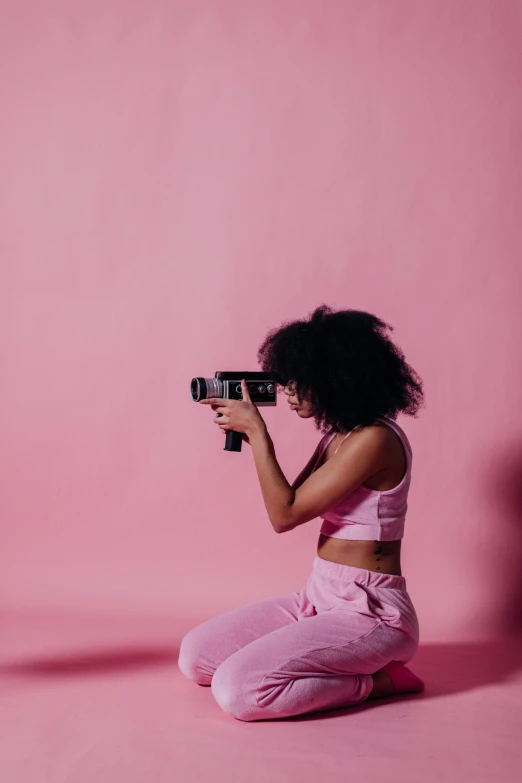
(345, 365)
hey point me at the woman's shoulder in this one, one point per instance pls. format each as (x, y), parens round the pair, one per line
(383, 433)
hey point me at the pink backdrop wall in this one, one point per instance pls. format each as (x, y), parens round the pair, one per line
(178, 178)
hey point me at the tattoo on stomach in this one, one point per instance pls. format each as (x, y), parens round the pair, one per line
(378, 551)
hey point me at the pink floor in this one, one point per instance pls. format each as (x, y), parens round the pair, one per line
(88, 699)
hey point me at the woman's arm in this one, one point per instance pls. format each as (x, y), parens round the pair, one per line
(307, 470)
(359, 457)
(278, 495)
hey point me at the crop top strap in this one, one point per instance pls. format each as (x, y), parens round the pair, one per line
(337, 449)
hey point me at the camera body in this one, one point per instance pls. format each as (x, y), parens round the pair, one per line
(227, 385)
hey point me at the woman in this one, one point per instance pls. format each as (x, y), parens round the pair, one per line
(345, 636)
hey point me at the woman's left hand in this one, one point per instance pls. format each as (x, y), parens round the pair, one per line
(238, 415)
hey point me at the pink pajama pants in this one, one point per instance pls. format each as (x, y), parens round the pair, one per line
(306, 651)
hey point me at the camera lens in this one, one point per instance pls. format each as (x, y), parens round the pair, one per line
(202, 388)
(195, 389)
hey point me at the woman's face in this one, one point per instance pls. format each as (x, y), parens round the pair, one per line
(304, 408)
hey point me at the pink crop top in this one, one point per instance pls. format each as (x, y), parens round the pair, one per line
(369, 514)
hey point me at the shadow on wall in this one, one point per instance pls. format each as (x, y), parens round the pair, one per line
(503, 489)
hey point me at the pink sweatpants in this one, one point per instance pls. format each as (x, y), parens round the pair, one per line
(306, 651)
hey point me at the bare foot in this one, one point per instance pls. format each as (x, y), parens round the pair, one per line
(395, 678)
(382, 685)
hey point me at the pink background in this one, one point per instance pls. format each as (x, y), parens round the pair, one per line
(177, 181)
(176, 178)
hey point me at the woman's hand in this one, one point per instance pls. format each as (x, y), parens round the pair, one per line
(238, 415)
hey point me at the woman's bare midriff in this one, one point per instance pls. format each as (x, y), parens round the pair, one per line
(383, 557)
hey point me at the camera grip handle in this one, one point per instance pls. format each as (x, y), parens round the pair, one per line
(233, 440)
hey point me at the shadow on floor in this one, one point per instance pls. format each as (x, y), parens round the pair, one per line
(446, 668)
(449, 669)
(93, 662)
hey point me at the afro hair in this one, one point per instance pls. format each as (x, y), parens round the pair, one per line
(345, 365)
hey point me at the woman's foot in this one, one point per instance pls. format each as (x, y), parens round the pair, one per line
(395, 678)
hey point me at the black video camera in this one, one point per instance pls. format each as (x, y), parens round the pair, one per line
(262, 387)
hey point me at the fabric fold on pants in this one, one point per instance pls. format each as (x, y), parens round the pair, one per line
(310, 650)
